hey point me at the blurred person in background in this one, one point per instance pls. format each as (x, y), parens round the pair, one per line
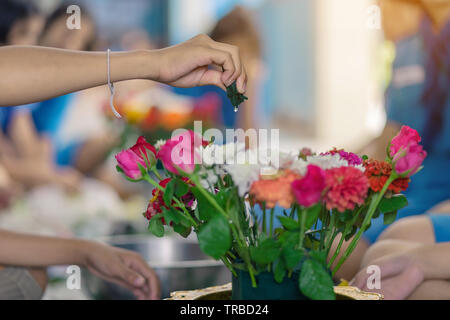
(37, 130)
(23, 153)
(20, 23)
(238, 28)
(412, 253)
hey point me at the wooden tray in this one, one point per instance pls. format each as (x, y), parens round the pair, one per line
(224, 293)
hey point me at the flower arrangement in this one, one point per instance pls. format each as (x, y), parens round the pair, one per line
(206, 189)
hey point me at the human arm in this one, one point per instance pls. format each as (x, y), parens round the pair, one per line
(29, 74)
(120, 266)
(376, 148)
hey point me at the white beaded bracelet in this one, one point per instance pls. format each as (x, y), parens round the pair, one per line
(111, 88)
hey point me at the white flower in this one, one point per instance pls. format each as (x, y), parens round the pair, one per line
(159, 143)
(215, 154)
(300, 166)
(243, 175)
(327, 161)
(208, 178)
(277, 158)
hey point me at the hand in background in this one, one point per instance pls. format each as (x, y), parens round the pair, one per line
(400, 276)
(123, 267)
(188, 64)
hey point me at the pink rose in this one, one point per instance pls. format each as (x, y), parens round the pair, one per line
(128, 161)
(409, 161)
(406, 153)
(403, 139)
(142, 152)
(308, 190)
(180, 151)
(143, 148)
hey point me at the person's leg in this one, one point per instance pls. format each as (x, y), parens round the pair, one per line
(432, 290)
(416, 229)
(40, 276)
(22, 283)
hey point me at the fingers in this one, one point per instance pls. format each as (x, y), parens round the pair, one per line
(241, 82)
(389, 266)
(131, 277)
(227, 56)
(239, 73)
(116, 277)
(224, 59)
(152, 284)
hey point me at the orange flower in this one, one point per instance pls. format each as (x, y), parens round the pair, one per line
(275, 189)
(378, 172)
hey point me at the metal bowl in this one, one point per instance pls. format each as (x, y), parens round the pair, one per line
(179, 263)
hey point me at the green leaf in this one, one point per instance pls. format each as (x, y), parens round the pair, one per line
(169, 192)
(266, 252)
(312, 214)
(155, 226)
(205, 209)
(315, 281)
(288, 223)
(280, 271)
(171, 215)
(215, 237)
(389, 217)
(182, 230)
(289, 238)
(181, 188)
(392, 204)
(142, 168)
(292, 257)
(351, 234)
(320, 256)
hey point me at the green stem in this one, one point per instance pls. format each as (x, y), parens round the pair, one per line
(302, 227)
(271, 221)
(241, 244)
(338, 249)
(206, 194)
(372, 208)
(264, 224)
(229, 266)
(330, 233)
(347, 229)
(324, 227)
(155, 171)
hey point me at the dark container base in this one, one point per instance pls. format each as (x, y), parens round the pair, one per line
(267, 289)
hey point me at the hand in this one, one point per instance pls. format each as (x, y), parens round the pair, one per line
(400, 276)
(188, 64)
(123, 267)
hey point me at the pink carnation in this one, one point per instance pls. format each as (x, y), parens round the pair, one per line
(308, 190)
(352, 158)
(346, 188)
